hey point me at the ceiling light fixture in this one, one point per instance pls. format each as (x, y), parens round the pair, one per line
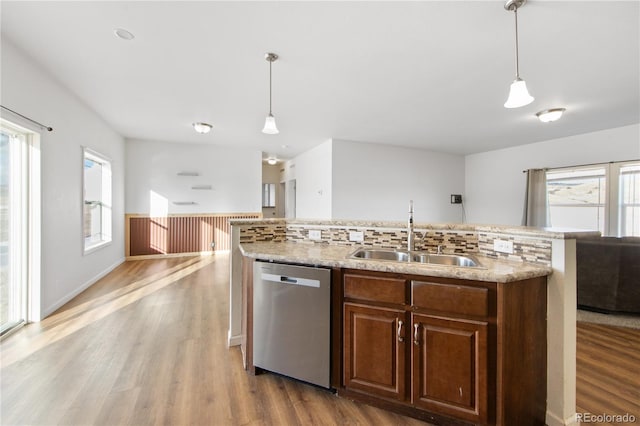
(202, 127)
(549, 115)
(518, 94)
(272, 161)
(270, 123)
(123, 34)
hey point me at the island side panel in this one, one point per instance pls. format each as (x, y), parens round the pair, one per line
(336, 327)
(247, 314)
(522, 352)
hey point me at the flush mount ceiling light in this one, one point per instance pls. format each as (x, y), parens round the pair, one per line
(202, 127)
(272, 161)
(518, 93)
(549, 115)
(270, 123)
(123, 34)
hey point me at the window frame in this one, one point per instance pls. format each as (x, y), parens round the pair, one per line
(106, 203)
(612, 206)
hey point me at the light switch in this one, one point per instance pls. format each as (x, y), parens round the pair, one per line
(502, 246)
(356, 236)
(315, 234)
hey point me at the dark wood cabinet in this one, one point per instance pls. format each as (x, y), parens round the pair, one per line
(450, 366)
(374, 350)
(445, 350)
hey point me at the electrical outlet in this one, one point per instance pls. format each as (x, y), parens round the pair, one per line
(356, 236)
(502, 246)
(315, 234)
(456, 199)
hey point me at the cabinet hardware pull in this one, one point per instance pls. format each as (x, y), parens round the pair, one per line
(415, 334)
(400, 338)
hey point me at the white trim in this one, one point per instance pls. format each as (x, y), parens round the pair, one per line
(553, 420)
(233, 340)
(66, 298)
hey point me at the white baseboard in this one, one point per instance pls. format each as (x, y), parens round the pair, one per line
(233, 340)
(67, 297)
(553, 420)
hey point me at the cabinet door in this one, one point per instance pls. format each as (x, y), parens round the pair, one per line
(450, 366)
(374, 350)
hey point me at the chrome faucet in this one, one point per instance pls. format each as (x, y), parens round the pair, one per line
(410, 236)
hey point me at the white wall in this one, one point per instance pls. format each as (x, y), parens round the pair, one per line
(313, 182)
(27, 89)
(234, 174)
(376, 182)
(494, 182)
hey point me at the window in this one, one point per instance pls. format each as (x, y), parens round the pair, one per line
(96, 200)
(630, 199)
(602, 197)
(577, 198)
(268, 195)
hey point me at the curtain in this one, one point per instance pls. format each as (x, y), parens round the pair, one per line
(536, 202)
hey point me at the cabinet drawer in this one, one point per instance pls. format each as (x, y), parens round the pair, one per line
(456, 299)
(377, 289)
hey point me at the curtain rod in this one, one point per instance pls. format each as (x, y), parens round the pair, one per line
(50, 129)
(580, 165)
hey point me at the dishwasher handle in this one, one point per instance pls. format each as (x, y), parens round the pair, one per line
(284, 279)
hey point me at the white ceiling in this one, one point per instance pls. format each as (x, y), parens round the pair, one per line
(427, 74)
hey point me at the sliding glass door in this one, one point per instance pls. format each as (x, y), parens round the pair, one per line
(14, 226)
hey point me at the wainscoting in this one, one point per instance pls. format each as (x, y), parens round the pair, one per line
(179, 234)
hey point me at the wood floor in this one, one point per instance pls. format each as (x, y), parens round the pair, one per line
(147, 345)
(608, 370)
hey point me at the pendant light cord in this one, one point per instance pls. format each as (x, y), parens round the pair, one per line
(270, 63)
(515, 11)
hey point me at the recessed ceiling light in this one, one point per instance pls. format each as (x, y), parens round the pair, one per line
(123, 34)
(202, 127)
(549, 115)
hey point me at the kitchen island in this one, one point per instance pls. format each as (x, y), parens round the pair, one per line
(444, 344)
(536, 253)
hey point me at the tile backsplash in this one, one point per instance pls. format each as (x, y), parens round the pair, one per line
(427, 238)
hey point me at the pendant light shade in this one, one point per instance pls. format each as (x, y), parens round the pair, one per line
(270, 123)
(518, 94)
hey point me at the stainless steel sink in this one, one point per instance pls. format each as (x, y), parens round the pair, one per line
(445, 259)
(381, 254)
(415, 257)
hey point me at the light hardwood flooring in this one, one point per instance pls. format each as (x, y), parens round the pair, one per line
(147, 345)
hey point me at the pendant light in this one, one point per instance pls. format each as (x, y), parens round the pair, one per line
(270, 123)
(518, 94)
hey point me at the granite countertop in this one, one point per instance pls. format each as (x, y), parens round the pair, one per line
(337, 256)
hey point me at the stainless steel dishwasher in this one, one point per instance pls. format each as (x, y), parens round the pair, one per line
(291, 321)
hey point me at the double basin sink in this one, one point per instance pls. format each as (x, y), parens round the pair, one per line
(415, 257)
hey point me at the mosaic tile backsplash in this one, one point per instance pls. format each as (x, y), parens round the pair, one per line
(464, 240)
